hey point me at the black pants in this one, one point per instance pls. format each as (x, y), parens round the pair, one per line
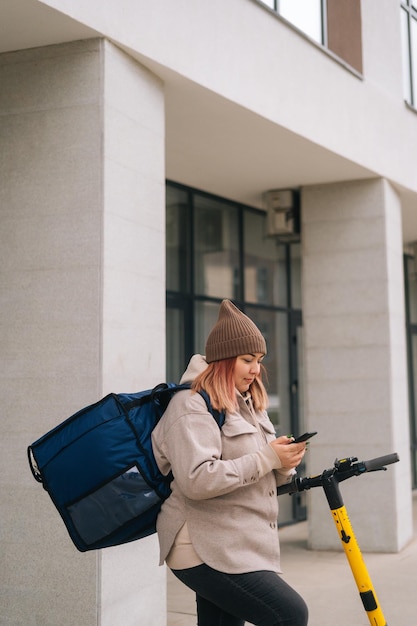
(261, 598)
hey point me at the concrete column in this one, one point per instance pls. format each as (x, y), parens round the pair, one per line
(82, 307)
(355, 354)
(132, 586)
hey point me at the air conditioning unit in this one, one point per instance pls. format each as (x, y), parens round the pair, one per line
(283, 216)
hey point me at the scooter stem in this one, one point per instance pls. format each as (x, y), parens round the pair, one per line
(353, 553)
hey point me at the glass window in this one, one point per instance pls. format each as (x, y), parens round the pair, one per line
(175, 344)
(413, 408)
(409, 49)
(413, 55)
(305, 15)
(406, 56)
(216, 245)
(295, 268)
(176, 239)
(412, 288)
(264, 263)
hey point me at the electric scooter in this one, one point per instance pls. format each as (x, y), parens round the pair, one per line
(329, 480)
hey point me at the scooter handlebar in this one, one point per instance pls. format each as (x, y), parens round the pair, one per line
(299, 483)
(380, 462)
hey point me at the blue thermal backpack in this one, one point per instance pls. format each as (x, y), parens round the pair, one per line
(99, 469)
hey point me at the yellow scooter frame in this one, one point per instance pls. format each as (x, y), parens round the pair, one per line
(329, 480)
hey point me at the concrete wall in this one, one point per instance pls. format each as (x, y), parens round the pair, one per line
(355, 351)
(81, 241)
(51, 217)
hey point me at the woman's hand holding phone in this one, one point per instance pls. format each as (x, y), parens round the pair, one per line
(290, 453)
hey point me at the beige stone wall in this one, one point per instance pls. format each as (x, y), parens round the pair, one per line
(355, 352)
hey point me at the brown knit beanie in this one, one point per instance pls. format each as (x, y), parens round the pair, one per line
(233, 334)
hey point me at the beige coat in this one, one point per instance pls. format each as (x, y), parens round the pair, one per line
(224, 483)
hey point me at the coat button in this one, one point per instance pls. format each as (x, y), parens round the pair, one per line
(273, 525)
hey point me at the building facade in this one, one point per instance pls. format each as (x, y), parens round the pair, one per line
(157, 157)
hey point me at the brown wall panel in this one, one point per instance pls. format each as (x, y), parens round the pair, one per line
(344, 31)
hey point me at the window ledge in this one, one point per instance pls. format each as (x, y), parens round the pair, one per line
(306, 37)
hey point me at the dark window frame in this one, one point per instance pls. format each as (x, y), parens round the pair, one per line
(188, 295)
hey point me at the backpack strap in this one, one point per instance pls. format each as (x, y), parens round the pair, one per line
(162, 394)
(219, 416)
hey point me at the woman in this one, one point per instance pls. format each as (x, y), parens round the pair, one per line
(218, 529)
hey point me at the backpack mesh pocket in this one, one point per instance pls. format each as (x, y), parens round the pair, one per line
(119, 501)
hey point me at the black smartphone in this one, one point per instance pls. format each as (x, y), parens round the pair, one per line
(304, 437)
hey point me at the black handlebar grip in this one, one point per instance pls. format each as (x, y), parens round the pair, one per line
(290, 488)
(379, 462)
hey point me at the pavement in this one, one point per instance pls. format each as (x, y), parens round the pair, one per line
(325, 581)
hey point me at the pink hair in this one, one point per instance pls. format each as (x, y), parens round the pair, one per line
(218, 381)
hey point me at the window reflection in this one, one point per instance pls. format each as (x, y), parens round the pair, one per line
(412, 287)
(175, 343)
(295, 265)
(216, 244)
(265, 266)
(305, 15)
(176, 239)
